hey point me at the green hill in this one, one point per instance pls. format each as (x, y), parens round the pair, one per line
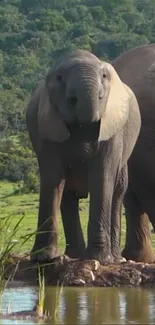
(33, 33)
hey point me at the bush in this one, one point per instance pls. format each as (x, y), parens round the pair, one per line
(18, 163)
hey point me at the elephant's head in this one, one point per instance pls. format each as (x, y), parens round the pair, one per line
(82, 90)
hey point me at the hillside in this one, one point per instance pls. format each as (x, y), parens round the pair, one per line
(33, 33)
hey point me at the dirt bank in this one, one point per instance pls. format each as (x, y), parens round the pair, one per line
(81, 273)
(23, 315)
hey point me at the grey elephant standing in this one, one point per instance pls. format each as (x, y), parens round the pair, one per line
(137, 69)
(83, 123)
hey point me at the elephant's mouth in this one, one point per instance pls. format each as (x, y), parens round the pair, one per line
(84, 131)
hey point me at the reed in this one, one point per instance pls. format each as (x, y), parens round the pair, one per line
(41, 295)
(7, 247)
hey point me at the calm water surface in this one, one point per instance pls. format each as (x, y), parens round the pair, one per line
(86, 305)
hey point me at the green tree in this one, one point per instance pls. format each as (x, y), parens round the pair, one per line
(33, 34)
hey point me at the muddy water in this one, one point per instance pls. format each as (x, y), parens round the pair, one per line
(86, 305)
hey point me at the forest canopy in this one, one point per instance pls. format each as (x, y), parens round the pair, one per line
(33, 33)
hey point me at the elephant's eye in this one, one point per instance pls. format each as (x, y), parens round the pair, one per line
(104, 75)
(59, 78)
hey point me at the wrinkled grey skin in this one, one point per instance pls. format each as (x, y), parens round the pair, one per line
(137, 69)
(83, 123)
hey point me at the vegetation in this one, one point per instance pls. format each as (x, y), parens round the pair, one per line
(41, 294)
(24, 207)
(33, 33)
(8, 243)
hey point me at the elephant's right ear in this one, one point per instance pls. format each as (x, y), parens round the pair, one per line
(50, 125)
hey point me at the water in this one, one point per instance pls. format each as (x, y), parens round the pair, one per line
(86, 305)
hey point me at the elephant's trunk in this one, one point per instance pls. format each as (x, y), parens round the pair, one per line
(83, 95)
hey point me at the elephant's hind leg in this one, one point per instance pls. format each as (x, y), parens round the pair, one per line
(138, 242)
(75, 245)
(115, 216)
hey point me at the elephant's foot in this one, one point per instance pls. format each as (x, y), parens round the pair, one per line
(75, 252)
(118, 258)
(144, 254)
(116, 253)
(99, 254)
(43, 255)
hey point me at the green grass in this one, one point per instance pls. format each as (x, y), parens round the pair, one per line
(26, 205)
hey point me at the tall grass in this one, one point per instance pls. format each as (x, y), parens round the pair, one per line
(41, 298)
(7, 245)
(59, 291)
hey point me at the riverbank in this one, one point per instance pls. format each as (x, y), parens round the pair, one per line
(69, 272)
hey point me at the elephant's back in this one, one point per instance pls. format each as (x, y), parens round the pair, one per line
(133, 64)
(136, 68)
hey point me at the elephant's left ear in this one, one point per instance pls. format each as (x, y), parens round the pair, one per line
(117, 108)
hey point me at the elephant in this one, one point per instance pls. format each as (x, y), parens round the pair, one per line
(83, 122)
(136, 68)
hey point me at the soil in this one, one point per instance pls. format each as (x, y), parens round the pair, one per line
(23, 315)
(69, 272)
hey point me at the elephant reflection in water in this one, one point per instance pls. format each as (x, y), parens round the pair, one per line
(103, 305)
(137, 305)
(67, 303)
(99, 305)
(119, 305)
(84, 305)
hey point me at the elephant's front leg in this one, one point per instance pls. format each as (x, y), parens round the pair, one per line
(45, 246)
(117, 201)
(75, 245)
(101, 186)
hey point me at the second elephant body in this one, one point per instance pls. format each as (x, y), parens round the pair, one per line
(136, 68)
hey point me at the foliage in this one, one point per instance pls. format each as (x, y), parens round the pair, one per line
(33, 33)
(25, 207)
(41, 298)
(8, 244)
(17, 162)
